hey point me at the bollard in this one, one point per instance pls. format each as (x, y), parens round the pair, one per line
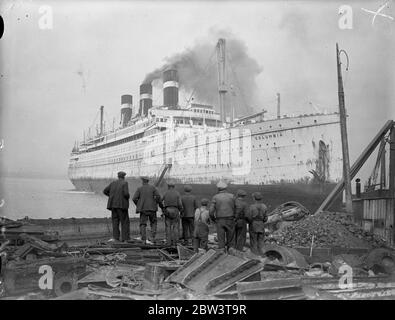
(358, 188)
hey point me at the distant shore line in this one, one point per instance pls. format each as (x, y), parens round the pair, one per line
(32, 176)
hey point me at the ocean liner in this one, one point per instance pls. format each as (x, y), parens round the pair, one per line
(286, 158)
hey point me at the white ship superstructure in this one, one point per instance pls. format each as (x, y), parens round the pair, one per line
(200, 146)
(201, 151)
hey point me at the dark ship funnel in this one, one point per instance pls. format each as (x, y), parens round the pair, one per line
(170, 88)
(126, 109)
(145, 98)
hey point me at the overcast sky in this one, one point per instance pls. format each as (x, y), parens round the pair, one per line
(53, 81)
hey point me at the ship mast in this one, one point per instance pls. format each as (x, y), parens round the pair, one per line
(221, 77)
(101, 120)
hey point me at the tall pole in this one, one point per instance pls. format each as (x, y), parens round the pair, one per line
(343, 132)
(278, 106)
(221, 53)
(392, 173)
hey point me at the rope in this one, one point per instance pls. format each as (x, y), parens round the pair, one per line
(91, 126)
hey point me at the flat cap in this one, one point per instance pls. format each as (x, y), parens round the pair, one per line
(121, 174)
(145, 178)
(241, 193)
(187, 188)
(171, 183)
(204, 202)
(257, 196)
(222, 185)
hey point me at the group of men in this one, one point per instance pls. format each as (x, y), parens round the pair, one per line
(231, 214)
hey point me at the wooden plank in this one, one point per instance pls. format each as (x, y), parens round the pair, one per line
(358, 164)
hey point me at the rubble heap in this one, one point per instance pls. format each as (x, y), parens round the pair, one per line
(329, 229)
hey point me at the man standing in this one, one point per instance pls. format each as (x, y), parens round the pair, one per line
(189, 205)
(257, 217)
(172, 207)
(241, 208)
(146, 198)
(222, 211)
(118, 202)
(202, 221)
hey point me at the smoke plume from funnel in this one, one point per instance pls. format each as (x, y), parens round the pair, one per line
(198, 73)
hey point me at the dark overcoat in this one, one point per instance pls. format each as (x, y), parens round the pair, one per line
(189, 205)
(118, 195)
(146, 198)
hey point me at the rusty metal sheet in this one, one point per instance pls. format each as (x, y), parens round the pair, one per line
(295, 288)
(214, 271)
(108, 274)
(184, 253)
(191, 264)
(289, 288)
(366, 294)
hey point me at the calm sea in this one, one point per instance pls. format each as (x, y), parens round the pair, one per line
(48, 198)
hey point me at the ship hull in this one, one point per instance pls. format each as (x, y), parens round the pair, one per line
(310, 195)
(287, 159)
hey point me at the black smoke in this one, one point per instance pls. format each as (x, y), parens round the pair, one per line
(198, 72)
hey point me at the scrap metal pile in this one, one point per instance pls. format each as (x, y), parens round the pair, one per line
(136, 271)
(325, 229)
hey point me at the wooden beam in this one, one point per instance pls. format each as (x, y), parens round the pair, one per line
(383, 172)
(392, 162)
(392, 176)
(357, 165)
